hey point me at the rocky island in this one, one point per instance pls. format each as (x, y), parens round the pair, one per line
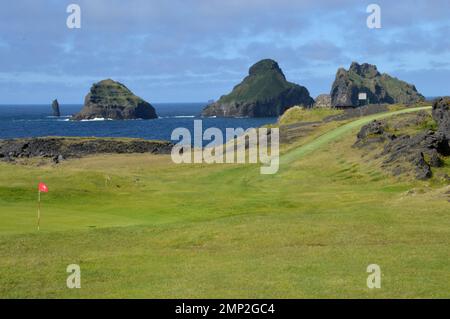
(112, 100)
(265, 92)
(380, 88)
(55, 108)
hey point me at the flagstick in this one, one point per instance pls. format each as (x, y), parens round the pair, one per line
(39, 209)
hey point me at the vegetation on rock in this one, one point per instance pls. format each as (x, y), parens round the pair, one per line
(441, 114)
(380, 88)
(113, 100)
(410, 143)
(264, 92)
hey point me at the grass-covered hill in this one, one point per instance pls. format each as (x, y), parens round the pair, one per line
(264, 92)
(113, 100)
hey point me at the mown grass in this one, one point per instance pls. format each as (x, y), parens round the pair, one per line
(157, 229)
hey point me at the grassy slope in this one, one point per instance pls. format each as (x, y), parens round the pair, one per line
(300, 114)
(257, 87)
(342, 130)
(263, 84)
(161, 230)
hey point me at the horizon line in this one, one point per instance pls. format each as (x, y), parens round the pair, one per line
(50, 103)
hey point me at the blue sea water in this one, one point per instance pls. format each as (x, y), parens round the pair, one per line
(36, 121)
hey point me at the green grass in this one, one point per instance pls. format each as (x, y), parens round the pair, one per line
(210, 231)
(264, 82)
(300, 114)
(342, 131)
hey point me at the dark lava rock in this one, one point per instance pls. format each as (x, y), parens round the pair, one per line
(112, 100)
(441, 114)
(374, 132)
(414, 150)
(58, 159)
(373, 128)
(264, 92)
(62, 148)
(380, 88)
(423, 170)
(426, 142)
(435, 160)
(55, 108)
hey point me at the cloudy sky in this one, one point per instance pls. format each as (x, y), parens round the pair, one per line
(182, 50)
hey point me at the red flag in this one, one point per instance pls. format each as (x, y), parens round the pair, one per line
(43, 188)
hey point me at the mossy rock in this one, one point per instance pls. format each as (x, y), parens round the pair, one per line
(380, 88)
(112, 100)
(265, 92)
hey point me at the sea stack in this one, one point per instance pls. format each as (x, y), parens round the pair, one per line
(265, 92)
(109, 99)
(379, 88)
(55, 108)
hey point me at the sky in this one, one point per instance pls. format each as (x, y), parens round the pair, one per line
(194, 51)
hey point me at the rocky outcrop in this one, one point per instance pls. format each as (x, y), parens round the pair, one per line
(421, 151)
(380, 88)
(441, 114)
(59, 148)
(113, 100)
(414, 149)
(265, 92)
(55, 108)
(323, 100)
(373, 132)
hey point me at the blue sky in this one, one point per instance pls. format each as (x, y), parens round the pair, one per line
(173, 51)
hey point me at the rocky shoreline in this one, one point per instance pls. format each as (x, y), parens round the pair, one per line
(61, 148)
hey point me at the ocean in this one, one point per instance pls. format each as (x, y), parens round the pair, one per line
(18, 121)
